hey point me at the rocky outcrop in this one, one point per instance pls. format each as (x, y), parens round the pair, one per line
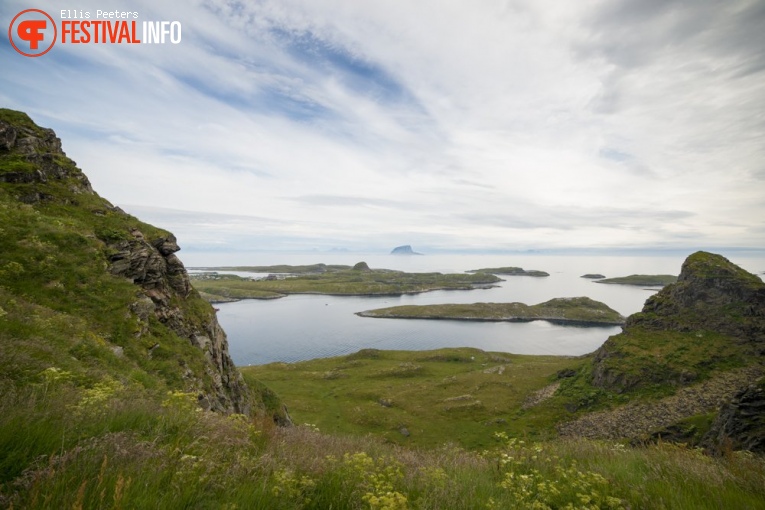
(712, 298)
(160, 273)
(700, 340)
(34, 161)
(740, 425)
(39, 158)
(711, 294)
(361, 266)
(640, 420)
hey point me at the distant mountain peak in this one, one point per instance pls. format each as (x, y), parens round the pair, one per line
(404, 250)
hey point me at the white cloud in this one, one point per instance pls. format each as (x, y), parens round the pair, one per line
(489, 124)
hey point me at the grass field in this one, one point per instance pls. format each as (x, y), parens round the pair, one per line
(423, 398)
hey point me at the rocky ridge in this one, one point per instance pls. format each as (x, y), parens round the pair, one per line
(715, 310)
(701, 340)
(37, 172)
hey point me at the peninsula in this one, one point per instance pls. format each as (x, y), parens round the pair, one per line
(357, 281)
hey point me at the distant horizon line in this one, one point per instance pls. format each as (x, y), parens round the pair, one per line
(489, 251)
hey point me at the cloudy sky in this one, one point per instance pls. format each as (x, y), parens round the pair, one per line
(503, 125)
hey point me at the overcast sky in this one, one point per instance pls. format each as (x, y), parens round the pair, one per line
(470, 125)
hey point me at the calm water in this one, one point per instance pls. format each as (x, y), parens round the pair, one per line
(302, 327)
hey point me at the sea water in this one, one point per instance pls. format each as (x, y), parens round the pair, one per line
(300, 327)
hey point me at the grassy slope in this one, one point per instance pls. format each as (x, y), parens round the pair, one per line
(574, 310)
(462, 395)
(469, 397)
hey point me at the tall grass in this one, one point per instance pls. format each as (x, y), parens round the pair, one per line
(123, 447)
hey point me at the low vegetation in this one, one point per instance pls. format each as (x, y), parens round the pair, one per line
(579, 311)
(648, 280)
(419, 398)
(340, 282)
(121, 446)
(222, 288)
(510, 271)
(281, 268)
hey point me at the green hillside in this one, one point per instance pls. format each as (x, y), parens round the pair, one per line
(117, 390)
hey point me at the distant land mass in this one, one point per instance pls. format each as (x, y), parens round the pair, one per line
(652, 280)
(593, 276)
(581, 311)
(510, 271)
(404, 250)
(358, 280)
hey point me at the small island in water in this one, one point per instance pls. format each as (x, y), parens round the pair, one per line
(404, 250)
(581, 311)
(648, 280)
(509, 271)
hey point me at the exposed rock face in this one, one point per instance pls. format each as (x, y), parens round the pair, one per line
(165, 292)
(711, 294)
(361, 266)
(41, 149)
(640, 419)
(741, 422)
(692, 333)
(162, 276)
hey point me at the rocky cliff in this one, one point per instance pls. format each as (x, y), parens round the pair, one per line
(713, 318)
(692, 355)
(711, 294)
(69, 251)
(740, 424)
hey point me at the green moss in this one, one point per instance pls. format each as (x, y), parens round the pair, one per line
(712, 266)
(17, 118)
(445, 395)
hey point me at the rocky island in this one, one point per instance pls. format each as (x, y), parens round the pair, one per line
(643, 280)
(580, 311)
(404, 250)
(510, 271)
